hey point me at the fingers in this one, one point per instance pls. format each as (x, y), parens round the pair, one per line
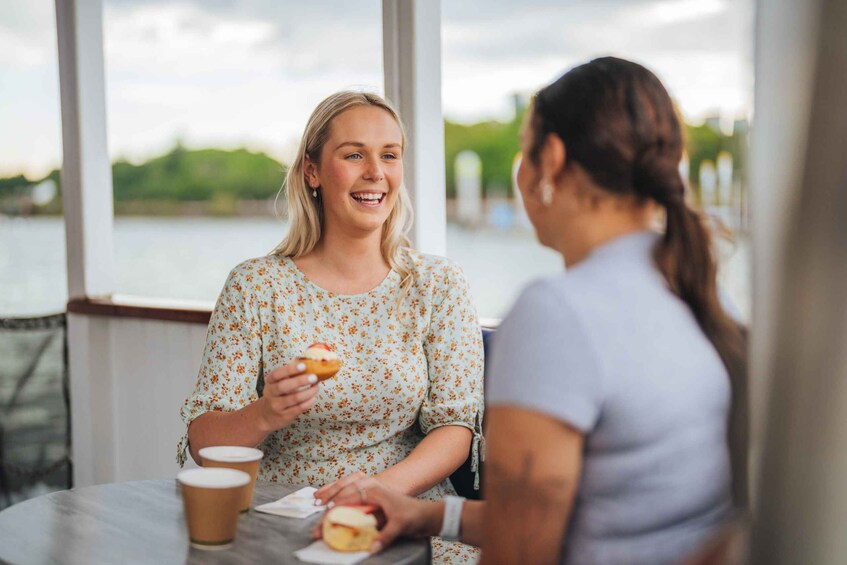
(326, 493)
(394, 524)
(293, 403)
(292, 395)
(350, 498)
(387, 535)
(291, 384)
(366, 490)
(353, 492)
(285, 371)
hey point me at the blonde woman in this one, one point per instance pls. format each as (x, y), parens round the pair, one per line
(407, 405)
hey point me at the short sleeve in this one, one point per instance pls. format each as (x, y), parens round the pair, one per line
(543, 360)
(231, 359)
(454, 356)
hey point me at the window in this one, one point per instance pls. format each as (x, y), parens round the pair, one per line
(494, 59)
(33, 279)
(206, 103)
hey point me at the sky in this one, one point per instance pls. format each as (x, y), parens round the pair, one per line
(247, 73)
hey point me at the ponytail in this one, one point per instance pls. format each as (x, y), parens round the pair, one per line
(686, 259)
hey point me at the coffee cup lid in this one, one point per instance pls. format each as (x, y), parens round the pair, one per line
(233, 453)
(213, 477)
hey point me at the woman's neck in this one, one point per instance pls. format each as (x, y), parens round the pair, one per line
(345, 265)
(596, 230)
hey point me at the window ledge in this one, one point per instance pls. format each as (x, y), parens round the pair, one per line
(165, 309)
(124, 306)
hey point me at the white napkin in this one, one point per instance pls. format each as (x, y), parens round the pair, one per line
(319, 552)
(300, 504)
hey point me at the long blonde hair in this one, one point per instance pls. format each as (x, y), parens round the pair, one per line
(305, 213)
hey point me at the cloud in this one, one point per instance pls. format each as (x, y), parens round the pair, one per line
(224, 72)
(701, 48)
(25, 42)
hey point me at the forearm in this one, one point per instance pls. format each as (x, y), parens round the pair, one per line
(243, 427)
(440, 453)
(472, 513)
(431, 520)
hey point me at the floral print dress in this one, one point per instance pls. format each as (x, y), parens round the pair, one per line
(411, 365)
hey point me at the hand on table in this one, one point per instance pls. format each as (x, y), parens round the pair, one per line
(397, 514)
(347, 488)
(288, 393)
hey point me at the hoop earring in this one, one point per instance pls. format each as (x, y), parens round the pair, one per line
(546, 193)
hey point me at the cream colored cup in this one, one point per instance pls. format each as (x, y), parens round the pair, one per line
(244, 459)
(212, 500)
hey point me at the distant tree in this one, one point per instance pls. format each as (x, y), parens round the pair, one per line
(197, 175)
(222, 177)
(496, 143)
(13, 186)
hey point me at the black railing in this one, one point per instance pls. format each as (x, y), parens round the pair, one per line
(34, 408)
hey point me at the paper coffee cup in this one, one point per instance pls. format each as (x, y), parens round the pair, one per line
(212, 500)
(245, 459)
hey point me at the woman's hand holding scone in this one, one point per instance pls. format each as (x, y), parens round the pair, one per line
(288, 393)
(399, 515)
(321, 360)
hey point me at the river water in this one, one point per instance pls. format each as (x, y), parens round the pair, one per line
(189, 258)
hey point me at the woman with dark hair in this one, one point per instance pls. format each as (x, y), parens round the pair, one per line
(616, 393)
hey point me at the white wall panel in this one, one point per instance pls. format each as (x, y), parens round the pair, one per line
(125, 403)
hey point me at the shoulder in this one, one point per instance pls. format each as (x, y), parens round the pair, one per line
(261, 267)
(259, 273)
(544, 301)
(550, 315)
(543, 359)
(434, 270)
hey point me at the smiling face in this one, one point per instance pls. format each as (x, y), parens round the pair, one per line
(359, 171)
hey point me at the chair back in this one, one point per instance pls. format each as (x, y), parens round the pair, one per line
(463, 478)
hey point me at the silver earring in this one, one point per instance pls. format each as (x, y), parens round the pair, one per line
(314, 193)
(546, 193)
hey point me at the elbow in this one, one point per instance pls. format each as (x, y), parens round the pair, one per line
(195, 443)
(464, 443)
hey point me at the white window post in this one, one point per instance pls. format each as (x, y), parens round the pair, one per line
(86, 171)
(411, 37)
(88, 211)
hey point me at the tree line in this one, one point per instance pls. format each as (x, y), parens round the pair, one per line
(216, 180)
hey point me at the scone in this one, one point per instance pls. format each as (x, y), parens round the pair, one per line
(320, 360)
(349, 528)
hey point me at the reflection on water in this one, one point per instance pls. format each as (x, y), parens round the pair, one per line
(190, 258)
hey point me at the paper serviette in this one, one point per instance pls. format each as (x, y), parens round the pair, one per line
(299, 504)
(319, 552)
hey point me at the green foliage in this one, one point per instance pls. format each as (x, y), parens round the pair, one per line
(215, 180)
(13, 185)
(161, 185)
(496, 143)
(200, 175)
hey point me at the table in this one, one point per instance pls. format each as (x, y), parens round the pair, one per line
(143, 522)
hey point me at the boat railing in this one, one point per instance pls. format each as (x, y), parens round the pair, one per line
(34, 407)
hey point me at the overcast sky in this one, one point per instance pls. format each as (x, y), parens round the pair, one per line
(231, 73)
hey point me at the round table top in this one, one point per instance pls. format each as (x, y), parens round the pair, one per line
(143, 522)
